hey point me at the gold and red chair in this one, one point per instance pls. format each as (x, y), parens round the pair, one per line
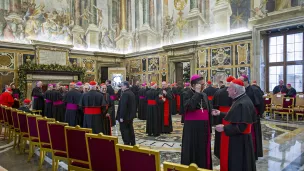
(33, 134)
(299, 107)
(58, 143)
(133, 158)
(23, 127)
(76, 148)
(102, 151)
(2, 122)
(276, 102)
(44, 139)
(287, 108)
(267, 103)
(8, 111)
(16, 127)
(168, 166)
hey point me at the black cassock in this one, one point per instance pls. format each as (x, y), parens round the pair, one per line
(258, 87)
(142, 106)
(222, 102)
(38, 101)
(182, 110)
(165, 110)
(173, 103)
(113, 97)
(154, 126)
(16, 94)
(256, 131)
(135, 90)
(196, 141)
(107, 107)
(279, 89)
(291, 92)
(48, 103)
(72, 99)
(91, 103)
(210, 91)
(237, 153)
(58, 109)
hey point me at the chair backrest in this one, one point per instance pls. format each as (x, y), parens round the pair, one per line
(288, 101)
(76, 143)
(168, 166)
(8, 111)
(57, 136)
(15, 119)
(267, 100)
(22, 122)
(43, 131)
(277, 99)
(1, 113)
(133, 158)
(101, 151)
(300, 100)
(32, 125)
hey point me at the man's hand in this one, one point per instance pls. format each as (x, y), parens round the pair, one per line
(215, 112)
(121, 120)
(219, 128)
(107, 115)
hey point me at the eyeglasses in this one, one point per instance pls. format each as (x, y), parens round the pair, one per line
(104, 88)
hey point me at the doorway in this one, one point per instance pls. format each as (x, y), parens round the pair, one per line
(182, 72)
(103, 74)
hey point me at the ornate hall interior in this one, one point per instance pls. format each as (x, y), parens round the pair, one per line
(63, 41)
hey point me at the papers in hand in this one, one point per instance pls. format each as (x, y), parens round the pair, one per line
(279, 95)
(301, 96)
(266, 98)
(287, 100)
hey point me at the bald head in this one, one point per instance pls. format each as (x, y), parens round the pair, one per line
(39, 84)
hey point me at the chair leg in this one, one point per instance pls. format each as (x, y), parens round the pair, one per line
(15, 140)
(42, 155)
(30, 152)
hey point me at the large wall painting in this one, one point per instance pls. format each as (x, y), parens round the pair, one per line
(221, 56)
(7, 60)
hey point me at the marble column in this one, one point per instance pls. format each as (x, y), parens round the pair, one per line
(129, 16)
(14, 6)
(77, 12)
(151, 14)
(137, 23)
(193, 5)
(165, 8)
(93, 18)
(82, 9)
(123, 14)
(146, 6)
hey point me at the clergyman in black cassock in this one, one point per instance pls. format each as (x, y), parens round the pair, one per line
(222, 102)
(80, 115)
(182, 110)
(72, 99)
(135, 89)
(107, 107)
(237, 153)
(91, 103)
(258, 101)
(142, 106)
(16, 95)
(37, 96)
(210, 91)
(126, 113)
(281, 88)
(26, 106)
(196, 141)
(165, 109)
(58, 105)
(153, 124)
(173, 102)
(113, 97)
(48, 102)
(291, 91)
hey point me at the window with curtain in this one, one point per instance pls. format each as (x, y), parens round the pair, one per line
(284, 60)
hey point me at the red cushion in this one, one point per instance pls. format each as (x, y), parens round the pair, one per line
(61, 154)
(35, 140)
(76, 144)
(102, 154)
(131, 161)
(57, 137)
(32, 123)
(46, 146)
(78, 164)
(43, 131)
(282, 110)
(23, 123)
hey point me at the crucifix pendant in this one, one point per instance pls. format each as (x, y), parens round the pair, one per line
(202, 110)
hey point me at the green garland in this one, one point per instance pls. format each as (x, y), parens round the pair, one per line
(23, 69)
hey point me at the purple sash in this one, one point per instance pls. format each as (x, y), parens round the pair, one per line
(142, 97)
(113, 97)
(71, 106)
(35, 97)
(197, 115)
(48, 101)
(16, 96)
(59, 102)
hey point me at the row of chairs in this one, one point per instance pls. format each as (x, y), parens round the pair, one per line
(289, 106)
(77, 146)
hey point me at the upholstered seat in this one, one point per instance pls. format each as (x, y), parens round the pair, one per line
(24, 134)
(78, 164)
(33, 133)
(299, 106)
(179, 167)
(61, 154)
(286, 108)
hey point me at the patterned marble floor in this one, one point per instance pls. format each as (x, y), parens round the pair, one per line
(283, 145)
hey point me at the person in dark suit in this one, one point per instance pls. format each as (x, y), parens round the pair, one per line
(291, 92)
(26, 106)
(126, 113)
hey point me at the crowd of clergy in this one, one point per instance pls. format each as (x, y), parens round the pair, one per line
(233, 108)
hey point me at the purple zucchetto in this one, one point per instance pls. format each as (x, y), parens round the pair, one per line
(195, 77)
(79, 83)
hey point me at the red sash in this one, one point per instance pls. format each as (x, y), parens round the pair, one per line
(178, 102)
(225, 146)
(224, 108)
(92, 110)
(166, 112)
(151, 102)
(210, 97)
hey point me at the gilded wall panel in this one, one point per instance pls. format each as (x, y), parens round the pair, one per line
(242, 71)
(135, 66)
(74, 62)
(153, 64)
(202, 58)
(204, 74)
(88, 64)
(221, 56)
(7, 61)
(220, 74)
(28, 59)
(242, 54)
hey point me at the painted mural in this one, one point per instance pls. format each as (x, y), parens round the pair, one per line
(127, 25)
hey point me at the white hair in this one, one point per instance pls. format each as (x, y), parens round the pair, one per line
(238, 89)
